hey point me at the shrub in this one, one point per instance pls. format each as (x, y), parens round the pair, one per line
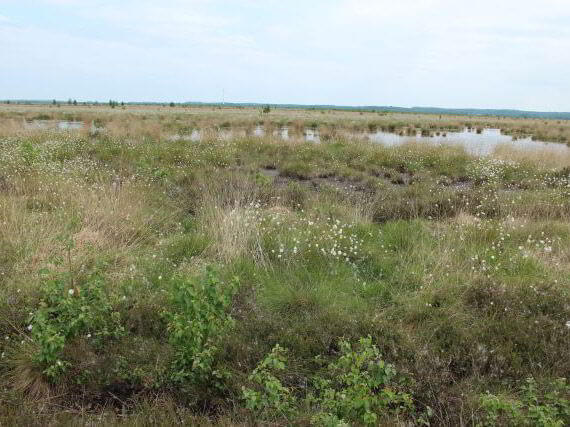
(197, 325)
(548, 408)
(272, 398)
(66, 312)
(358, 388)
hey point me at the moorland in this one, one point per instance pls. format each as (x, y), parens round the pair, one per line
(241, 277)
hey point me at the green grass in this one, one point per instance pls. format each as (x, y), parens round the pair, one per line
(456, 267)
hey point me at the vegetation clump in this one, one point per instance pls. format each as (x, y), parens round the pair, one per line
(197, 326)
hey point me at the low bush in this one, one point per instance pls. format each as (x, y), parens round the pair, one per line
(67, 311)
(546, 406)
(356, 388)
(197, 324)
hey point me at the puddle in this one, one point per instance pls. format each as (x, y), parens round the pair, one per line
(268, 172)
(69, 125)
(312, 135)
(194, 136)
(479, 144)
(54, 124)
(283, 133)
(259, 131)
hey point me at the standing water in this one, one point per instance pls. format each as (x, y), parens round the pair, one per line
(54, 124)
(476, 143)
(479, 144)
(259, 131)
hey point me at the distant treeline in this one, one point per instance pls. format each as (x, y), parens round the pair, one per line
(368, 108)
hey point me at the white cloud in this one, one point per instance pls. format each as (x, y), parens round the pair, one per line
(509, 53)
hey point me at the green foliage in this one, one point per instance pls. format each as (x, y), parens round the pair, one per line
(66, 312)
(29, 153)
(358, 388)
(546, 408)
(197, 324)
(272, 399)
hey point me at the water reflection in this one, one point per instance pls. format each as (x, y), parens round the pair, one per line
(69, 125)
(259, 131)
(312, 135)
(54, 124)
(282, 133)
(480, 143)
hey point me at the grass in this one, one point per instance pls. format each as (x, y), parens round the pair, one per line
(111, 244)
(156, 121)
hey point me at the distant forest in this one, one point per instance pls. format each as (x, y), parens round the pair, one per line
(368, 108)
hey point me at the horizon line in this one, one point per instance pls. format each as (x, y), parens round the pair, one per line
(394, 108)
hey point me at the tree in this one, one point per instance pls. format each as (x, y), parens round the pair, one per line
(75, 102)
(172, 104)
(54, 102)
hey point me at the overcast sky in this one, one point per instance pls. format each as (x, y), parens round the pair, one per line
(447, 53)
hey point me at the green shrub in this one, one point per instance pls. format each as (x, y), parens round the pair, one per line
(549, 408)
(66, 312)
(272, 399)
(358, 388)
(197, 324)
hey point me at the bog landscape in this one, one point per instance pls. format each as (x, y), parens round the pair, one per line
(202, 265)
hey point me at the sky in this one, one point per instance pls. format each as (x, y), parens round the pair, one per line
(444, 53)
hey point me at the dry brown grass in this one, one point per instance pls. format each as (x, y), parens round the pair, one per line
(230, 216)
(26, 378)
(101, 218)
(157, 121)
(543, 158)
(465, 219)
